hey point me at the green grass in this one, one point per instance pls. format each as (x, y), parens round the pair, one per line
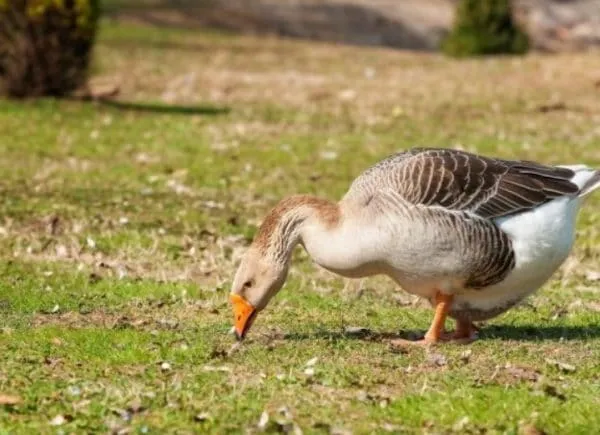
(121, 227)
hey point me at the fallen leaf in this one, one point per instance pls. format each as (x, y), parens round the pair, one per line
(347, 94)
(60, 420)
(551, 107)
(592, 275)
(61, 251)
(263, 421)
(522, 373)
(465, 356)
(399, 346)
(202, 417)
(594, 306)
(329, 155)
(437, 359)
(568, 368)
(6, 399)
(135, 406)
(216, 369)
(531, 429)
(51, 361)
(402, 299)
(461, 424)
(123, 413)
(388, 427)
(340, 431)
(311, 362)
(362, 396)
(326, 427)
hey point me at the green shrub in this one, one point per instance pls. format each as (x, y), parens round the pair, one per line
(45, 45)
(485, 27)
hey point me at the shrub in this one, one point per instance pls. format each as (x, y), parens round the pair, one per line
(45, 45)
(485, 27)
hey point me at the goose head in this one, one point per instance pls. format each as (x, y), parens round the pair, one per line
(264, 267)
(257, 280)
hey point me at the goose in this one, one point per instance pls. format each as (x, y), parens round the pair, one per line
(473, 235)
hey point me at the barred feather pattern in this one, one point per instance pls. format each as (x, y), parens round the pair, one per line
(454, 197)
(458, 180)
(484, 252)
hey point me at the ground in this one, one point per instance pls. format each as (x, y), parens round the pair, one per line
(121, 226)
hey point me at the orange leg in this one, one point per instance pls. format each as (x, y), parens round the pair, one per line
(436, 330)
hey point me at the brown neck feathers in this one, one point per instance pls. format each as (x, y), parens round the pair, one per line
(279, 231)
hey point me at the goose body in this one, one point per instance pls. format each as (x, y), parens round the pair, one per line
(473, 235)
(424, 255)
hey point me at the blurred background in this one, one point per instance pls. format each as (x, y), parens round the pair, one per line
(553, 25)
(45, 38)
(142, 143)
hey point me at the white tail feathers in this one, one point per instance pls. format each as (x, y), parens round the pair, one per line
(591, 184)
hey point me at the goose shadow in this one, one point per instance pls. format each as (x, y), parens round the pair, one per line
(491, 332)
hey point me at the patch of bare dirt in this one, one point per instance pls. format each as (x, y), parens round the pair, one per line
(153, 316)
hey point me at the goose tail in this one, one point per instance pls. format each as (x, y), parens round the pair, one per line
(586, 178)
(591, 184)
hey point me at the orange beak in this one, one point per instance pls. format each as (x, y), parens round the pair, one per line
(244, 314)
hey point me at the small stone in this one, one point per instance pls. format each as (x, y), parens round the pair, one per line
(58, 420)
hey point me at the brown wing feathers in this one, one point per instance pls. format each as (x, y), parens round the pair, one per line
(526, 185)
(459, 180)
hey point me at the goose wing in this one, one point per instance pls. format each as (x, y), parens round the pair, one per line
(458, 180)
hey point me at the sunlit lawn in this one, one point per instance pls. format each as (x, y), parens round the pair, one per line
(120, 229)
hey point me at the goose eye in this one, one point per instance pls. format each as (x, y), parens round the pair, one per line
(248, 284)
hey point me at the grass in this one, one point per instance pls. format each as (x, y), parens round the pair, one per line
(121, 228)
